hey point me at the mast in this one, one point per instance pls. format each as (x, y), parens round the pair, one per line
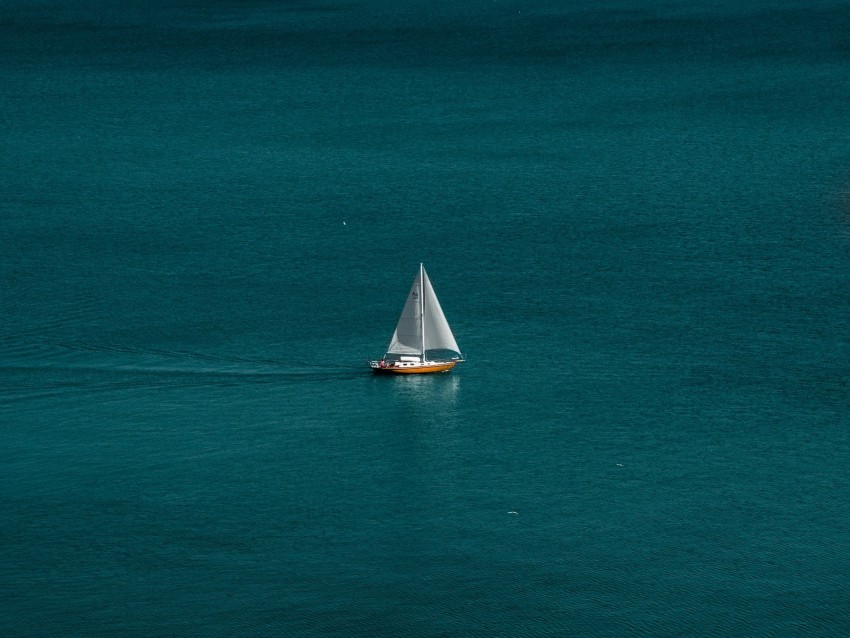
(422, 305)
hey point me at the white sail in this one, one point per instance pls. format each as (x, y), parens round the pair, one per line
(422, 311)
(407, 338)
(438, 335)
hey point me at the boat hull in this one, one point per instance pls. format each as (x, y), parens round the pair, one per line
(417, 368)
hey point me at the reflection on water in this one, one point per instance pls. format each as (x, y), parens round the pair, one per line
(428, 401)
(429, 390)
(428, 441)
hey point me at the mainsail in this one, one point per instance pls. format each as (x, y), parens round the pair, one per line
(422, 325)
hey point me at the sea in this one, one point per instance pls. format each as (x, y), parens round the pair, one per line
(636, 216)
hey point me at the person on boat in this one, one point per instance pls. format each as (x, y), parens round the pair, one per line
(383, 363)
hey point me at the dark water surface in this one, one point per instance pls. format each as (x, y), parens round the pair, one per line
(635, 214)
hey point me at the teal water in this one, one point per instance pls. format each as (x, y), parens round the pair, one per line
(635, 214)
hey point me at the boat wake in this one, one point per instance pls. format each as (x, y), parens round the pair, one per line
(43, 365)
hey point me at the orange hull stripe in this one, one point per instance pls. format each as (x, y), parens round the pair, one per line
(420, 369)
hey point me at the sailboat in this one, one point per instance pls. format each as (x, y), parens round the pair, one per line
(421, 332)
